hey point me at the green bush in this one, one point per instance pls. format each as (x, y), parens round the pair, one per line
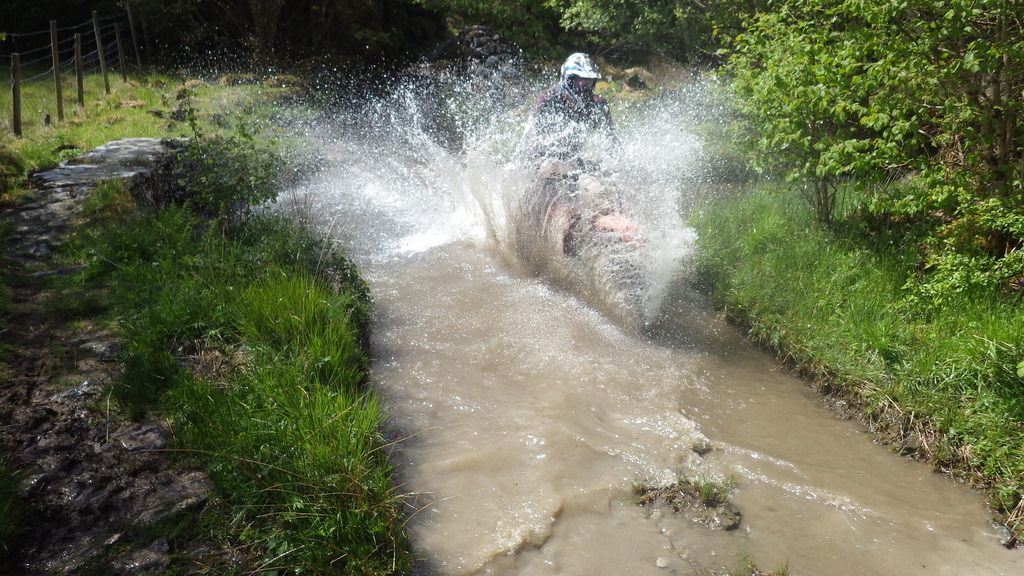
(891, 91)
(224, 176)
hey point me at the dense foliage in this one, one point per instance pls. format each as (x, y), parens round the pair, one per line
(923, 98)
(231, 33)
(685, 31)
(531, 23)
(273, 32)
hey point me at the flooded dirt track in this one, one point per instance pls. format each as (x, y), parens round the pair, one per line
(528, 419)
(524, 419)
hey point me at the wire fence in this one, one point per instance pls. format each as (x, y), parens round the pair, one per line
(104, 44)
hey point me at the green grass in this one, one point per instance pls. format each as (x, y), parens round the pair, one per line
(104, 118)
(284, 425)
(289, 433)
(126, 112)
(837, 310)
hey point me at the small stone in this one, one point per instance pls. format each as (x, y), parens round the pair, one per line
(153, 560)
(911, 446)
(139, 437)
(702, 447)
(661, 562)
(77, 393)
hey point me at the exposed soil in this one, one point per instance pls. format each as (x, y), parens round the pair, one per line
(99, 488)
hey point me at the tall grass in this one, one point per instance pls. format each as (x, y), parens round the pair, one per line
(838, 311)
(289, 432)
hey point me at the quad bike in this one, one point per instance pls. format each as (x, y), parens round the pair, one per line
(571, 228)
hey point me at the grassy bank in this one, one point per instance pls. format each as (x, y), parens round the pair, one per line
(943, 382)
(247, 334)
(251, 339)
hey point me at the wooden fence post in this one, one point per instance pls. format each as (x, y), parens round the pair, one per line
(99, 52)
(135, 41)
(78, 69)
(16, 93)
(54, 50)
(120, 52)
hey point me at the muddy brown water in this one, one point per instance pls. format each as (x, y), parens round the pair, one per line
(527, 418)
(523, 418)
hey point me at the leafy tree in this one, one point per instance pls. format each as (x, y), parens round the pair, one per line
(896, 90)
(689, 31)
(278, 32)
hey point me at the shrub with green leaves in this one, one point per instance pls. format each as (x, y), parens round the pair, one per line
(224, 176)
(895, 91)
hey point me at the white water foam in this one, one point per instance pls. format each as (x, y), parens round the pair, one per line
(397, 186)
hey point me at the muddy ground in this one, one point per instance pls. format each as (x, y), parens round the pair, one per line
(101, 493)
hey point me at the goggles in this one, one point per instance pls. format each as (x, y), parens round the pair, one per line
(578, 84)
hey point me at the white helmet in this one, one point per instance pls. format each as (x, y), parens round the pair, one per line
(578, 65)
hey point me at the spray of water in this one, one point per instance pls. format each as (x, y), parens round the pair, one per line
(433, 158)
(524, 447)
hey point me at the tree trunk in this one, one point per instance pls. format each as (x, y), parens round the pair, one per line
(265, 17)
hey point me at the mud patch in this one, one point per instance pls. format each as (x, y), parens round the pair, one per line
(89, 475)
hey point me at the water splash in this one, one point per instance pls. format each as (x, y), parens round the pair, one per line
(432, 159)
(470, 358)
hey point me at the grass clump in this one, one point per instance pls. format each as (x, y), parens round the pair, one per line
(748, 568)
(289, 434)
(684, 494)
(944, 381)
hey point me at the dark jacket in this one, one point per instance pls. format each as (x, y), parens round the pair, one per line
(559, 125)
